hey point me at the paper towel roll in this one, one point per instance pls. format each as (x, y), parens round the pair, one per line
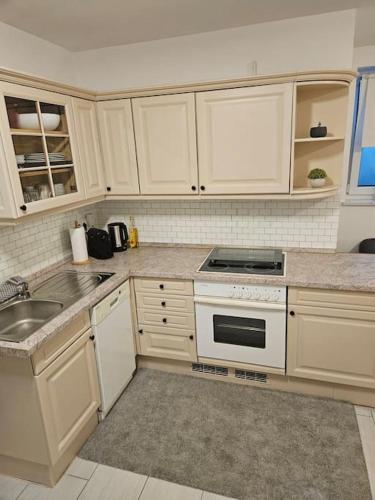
(79, 245)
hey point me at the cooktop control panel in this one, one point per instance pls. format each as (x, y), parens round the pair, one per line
(243, 292)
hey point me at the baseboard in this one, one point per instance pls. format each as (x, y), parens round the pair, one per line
(355, 395)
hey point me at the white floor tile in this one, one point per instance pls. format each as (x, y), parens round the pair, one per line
(367, 431)
(11, 487)
(81, 468)
(364, 411)
(156, 489)
(213, 496)
(68, 488)
(108, 483)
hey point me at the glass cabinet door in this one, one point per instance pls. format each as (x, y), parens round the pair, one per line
(41, 143)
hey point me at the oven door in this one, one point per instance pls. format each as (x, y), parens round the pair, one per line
(241, 331)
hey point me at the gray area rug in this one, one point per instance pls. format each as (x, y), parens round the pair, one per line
(233, 440)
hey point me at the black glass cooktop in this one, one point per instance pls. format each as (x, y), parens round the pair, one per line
(245, 261)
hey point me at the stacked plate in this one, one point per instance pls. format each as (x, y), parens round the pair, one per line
(32, 158)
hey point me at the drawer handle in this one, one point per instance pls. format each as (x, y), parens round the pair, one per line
(191, 337)
(163, 303)
(92, 337)
(161, 287)
(164, 320)
(292, 313)
(140, 331)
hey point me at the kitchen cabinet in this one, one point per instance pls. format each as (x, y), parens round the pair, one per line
(166, 144)
(331, 336)
(68, 406)
(244, 138)
(41, 169)
(166, 319)
(58, 385)
(118, 146)
(89, 147)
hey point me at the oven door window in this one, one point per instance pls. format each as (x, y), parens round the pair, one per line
(233, 330)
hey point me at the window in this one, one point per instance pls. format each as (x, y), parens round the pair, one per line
(362, 158)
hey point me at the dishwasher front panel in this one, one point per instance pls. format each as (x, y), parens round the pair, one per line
(114, 345)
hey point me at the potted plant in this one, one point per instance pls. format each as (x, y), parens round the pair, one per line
(317, 177)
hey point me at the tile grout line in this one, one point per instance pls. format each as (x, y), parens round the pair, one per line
(20, 493)
(143, 487)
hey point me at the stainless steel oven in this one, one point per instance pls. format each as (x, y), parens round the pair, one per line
(241, 323)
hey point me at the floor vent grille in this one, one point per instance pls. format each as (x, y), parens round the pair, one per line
(213, 370)
(254, 376)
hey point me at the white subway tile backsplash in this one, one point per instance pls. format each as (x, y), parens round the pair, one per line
(36, 244)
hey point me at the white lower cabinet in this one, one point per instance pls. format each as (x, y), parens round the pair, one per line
(69, 394)
(48, 404)
(244, 139)
(332, 342)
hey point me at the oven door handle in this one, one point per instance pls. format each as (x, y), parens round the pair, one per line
(216, 301)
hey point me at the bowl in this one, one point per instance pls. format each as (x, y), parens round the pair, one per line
(30, 121)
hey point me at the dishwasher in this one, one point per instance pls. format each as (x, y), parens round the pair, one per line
(111, 323)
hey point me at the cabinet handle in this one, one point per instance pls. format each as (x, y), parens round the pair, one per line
(140, 331)
(161, 287)
(163, 303)
(193, 188)
(23, 208)
(191, 337)
(164, 320)
(109, 188)
(292, 313)
(92, 337)
(203, 188)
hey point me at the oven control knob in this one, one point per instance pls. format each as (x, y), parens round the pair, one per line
(256, 295)
(266, 296)
(275, 297)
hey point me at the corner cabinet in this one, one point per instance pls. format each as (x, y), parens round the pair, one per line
(118, 146)
(244, 138)
(89, 147)
(40, 168)
(166, 144)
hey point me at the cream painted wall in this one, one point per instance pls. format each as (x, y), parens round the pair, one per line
(313, 42)
(357, 222)
(27, 53)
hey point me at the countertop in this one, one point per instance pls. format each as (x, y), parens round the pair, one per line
(355, 272)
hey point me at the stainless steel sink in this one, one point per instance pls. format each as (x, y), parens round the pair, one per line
(23, 317)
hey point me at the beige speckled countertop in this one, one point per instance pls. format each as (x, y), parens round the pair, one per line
(306, 269)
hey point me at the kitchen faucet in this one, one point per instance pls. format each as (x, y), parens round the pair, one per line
(16, 285)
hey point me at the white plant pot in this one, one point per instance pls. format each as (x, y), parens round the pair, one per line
(317, 183)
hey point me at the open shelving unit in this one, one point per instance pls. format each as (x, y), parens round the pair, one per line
(315, 102)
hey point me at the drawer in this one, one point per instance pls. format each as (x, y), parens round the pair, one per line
(331, 298)
(57, 344)
(164, 302)
(172, 320)
(162, 345)
(161, 286)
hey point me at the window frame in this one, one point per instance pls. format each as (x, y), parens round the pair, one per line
(361, 194)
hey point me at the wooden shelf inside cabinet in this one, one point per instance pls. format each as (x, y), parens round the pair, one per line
(26, 131)
(318, 139)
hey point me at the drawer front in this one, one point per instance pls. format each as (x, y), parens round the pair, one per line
(56, 345)
(165, 303)
(168, 346)
(160, 286)
(331, 298)
(173, 320)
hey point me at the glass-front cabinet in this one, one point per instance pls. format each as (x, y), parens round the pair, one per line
(37, 134)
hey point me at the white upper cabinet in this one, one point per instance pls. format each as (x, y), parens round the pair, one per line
(40, 168)
(166, 144)
(89, 149)
(244, 139)
(118, 146)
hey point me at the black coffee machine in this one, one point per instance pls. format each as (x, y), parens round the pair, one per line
(118, 233)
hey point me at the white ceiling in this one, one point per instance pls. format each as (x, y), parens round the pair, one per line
(88, 24)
